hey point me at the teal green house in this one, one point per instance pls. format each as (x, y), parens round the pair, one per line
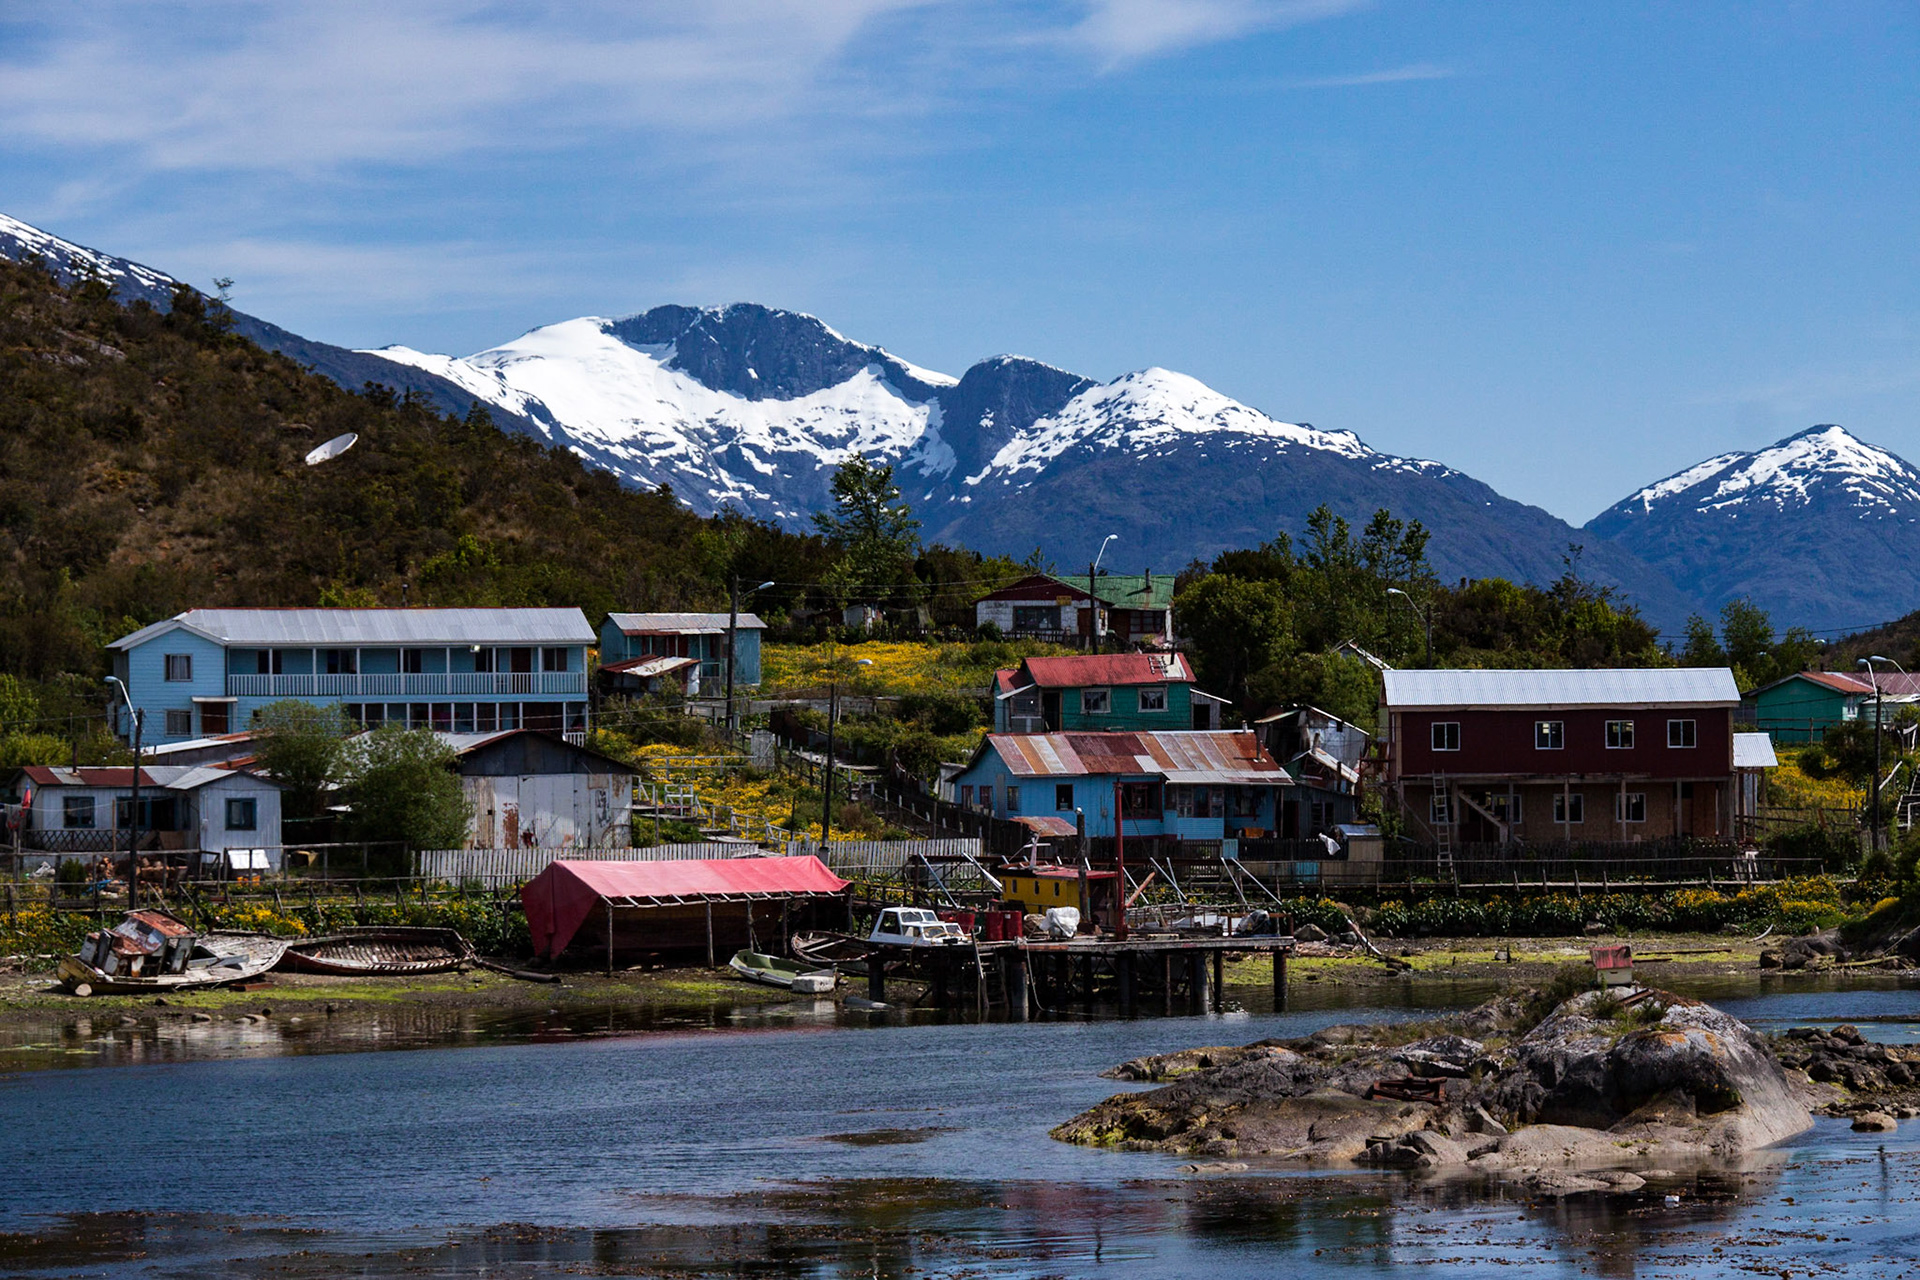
(1803, 706)
(1082, 692)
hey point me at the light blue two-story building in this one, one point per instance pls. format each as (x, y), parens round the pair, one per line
(206, 671)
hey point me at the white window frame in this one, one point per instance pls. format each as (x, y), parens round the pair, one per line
(1103, 696)
(1549, 735)
(1158, 696)
(1688, 729)
(1563, 802)
(1624, 804)
(179, 668)
(1619, 735)
(1445, 741)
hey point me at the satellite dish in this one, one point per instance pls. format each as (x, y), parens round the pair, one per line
(332, 449)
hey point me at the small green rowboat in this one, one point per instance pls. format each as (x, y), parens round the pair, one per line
(776, 972)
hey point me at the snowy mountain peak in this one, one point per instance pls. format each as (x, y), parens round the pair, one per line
(70, 262)
(1823, 463)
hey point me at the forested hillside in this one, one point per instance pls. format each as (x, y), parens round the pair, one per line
(153, 462)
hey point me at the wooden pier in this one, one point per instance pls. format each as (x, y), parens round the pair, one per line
(1163, 974)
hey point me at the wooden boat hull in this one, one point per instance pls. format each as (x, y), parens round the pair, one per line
(377, 952)
(240, 956)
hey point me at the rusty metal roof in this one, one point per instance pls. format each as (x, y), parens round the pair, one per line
(1047, 825)
(1188, 755)
(1077, 671)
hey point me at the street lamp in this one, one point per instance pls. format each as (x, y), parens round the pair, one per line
(733, 633)
(1878, 724)
(133, 817)
(833, 714)
(1093, 593)
(1425, 616)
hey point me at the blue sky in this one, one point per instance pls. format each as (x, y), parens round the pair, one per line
(1568, 248)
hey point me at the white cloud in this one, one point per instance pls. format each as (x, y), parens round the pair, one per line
(1123, 31)
(1393, 75)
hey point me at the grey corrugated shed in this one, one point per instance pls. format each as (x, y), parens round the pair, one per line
(691, 623)
(1616, 687)
(1754, 751)
(333, 627)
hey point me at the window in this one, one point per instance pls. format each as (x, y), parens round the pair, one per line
(1063, 797)
(553, 659)
(463, 717)
(966, 797)
(1680, 733)
(1446, 735)
(214, 717)
(1246, 802)
(1153, 699)
(242, 814)
(1505, 806)
(1181, 798)
(1569, 808)
(179, 724)
(410, 662)
(1619, 735)
(270, 662)
(77, 812)
(373, 715)
(1036, 617)
(1095, 702)
(179, 667)
(1549, 735)
(1140, 800)
(1630, 806)
(1440, 810)
(342, 662)
(1013, 798)
(486, 717)
(483, 660)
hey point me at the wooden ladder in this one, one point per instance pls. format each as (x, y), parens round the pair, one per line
(1443, 831)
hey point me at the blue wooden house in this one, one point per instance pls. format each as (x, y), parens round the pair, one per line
(206, 671)
(638, 650)
(1182, 784)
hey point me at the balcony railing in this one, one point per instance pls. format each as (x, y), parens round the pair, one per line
(455, 684)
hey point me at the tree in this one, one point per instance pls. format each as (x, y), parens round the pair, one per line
(874, 530)
(401, 788)
(19, 706)
(299, 745)
(1235, 628)
(1703, 647)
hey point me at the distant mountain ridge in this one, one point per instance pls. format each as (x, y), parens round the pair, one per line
(1821, 529)
(753, 407)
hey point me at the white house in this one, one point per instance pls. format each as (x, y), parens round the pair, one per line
(182, 807)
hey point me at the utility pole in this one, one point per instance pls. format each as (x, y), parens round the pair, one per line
(133, 818)
(1426, 619)
(733, 635)
(826, 806)
(1874, 675)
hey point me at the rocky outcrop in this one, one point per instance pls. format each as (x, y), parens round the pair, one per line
(1599, 1084)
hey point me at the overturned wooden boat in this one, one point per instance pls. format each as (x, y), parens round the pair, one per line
(773, 971)
(380, 950)
(154, 950)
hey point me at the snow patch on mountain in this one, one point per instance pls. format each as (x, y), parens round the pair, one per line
(1147, 413)
(71, 261)
(1792, 473)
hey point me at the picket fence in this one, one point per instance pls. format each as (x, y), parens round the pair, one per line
(499, 868)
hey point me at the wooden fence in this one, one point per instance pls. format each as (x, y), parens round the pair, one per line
(496, 868)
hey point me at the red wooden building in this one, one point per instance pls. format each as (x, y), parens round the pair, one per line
(1539, 756)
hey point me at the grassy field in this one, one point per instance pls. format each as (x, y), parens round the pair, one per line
(887, 668)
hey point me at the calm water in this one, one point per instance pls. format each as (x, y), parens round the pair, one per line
(807, 1146)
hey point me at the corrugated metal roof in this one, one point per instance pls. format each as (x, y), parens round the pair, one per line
(1754, 751)
(165, 777)
(704, 624)
(1615, 687)
(647, 668)
(1079, 671)
(1225, 756)
(1047, 825)
(330, 627)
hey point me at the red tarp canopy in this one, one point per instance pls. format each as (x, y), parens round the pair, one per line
(559, 899)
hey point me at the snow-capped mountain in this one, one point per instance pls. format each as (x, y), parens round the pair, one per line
(1821, 529)
(752, 407)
